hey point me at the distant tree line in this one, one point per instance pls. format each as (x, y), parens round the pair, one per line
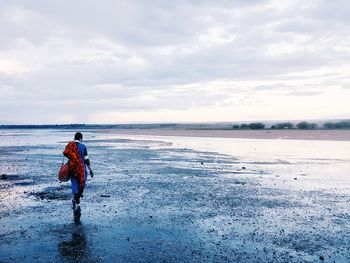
(304, 125)
(283, 125)
(44, 126)
(250, 126)
(90, 126)
(337, 125)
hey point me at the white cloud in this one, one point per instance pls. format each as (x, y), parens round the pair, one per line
(11, 67)
(190, 60)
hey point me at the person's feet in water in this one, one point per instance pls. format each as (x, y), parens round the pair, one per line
(77, 213)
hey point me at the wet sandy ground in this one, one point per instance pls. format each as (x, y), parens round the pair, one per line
(153, 201)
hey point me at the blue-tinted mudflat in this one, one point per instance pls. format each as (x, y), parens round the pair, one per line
(173, 199)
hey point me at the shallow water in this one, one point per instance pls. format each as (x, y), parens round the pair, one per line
(176, 199)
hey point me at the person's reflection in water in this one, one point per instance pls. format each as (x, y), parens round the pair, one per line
(74, 250)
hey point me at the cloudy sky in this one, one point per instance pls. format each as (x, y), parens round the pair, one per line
(126, 61)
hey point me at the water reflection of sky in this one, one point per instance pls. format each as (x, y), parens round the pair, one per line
(263, 149)
(312, 160)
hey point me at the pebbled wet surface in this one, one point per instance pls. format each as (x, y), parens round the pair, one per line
(170, 200)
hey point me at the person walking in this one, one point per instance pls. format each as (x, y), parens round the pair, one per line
(79, 164)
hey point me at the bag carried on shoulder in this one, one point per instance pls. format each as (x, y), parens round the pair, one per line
(64, 174)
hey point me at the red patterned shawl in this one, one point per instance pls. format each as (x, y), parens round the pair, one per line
(75, 164)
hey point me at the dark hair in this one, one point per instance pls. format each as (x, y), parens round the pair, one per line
(78, 136)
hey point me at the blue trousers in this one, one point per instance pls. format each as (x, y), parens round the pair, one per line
(75, 184)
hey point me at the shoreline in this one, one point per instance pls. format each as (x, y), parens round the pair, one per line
(324, 135)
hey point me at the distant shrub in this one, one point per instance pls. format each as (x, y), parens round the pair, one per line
(283, 125)
(329, 125)
(235, 127)
(342, 125)
(256, 126)
(337, 125)
(306, 125)
(244, 126)
(250, 126)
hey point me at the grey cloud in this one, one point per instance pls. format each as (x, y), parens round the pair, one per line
(331, 11)
(162, 25)
(134, 23)
(21, 24)
(82, 107)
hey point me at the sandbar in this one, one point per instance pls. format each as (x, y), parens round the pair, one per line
(331, 135)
